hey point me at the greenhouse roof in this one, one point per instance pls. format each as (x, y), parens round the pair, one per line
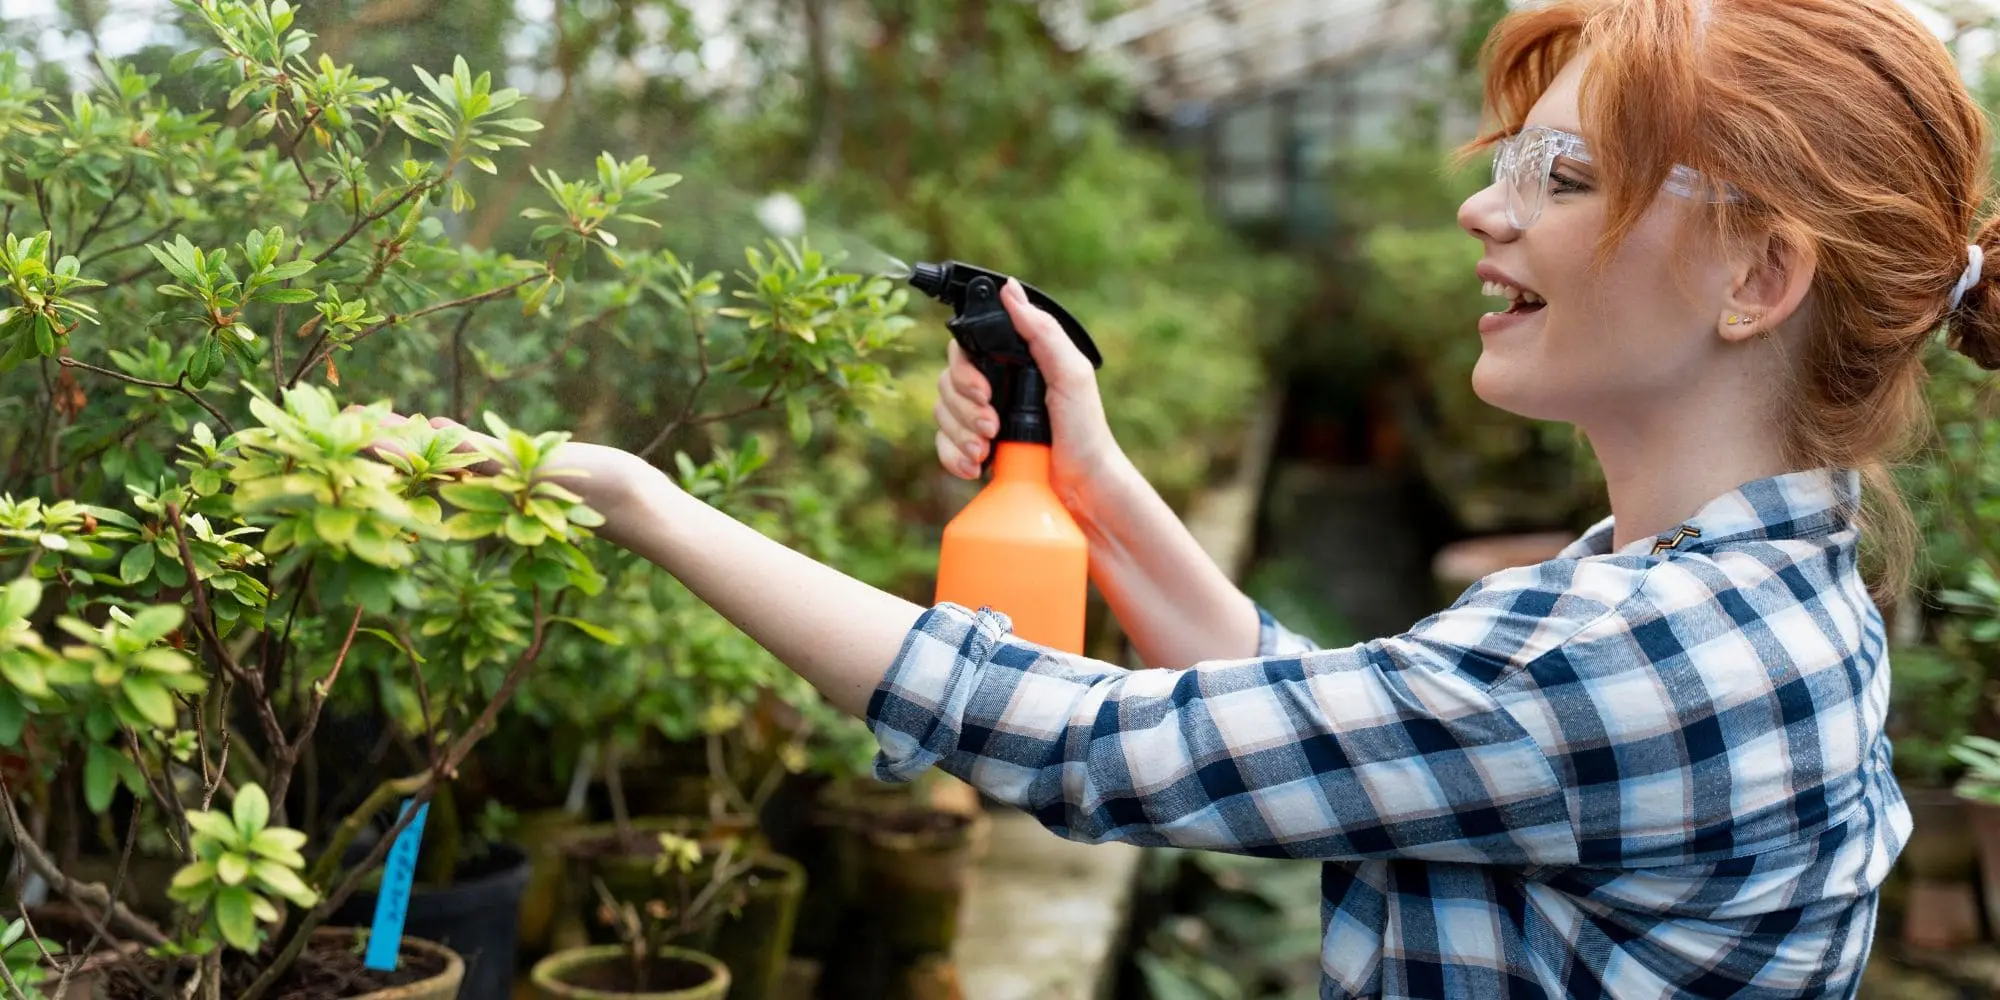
(1186, 55)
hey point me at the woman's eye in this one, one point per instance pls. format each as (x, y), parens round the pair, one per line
(1562, 183)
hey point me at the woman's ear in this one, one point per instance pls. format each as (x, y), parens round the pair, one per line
(1769, 282)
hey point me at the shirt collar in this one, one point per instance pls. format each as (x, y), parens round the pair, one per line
(1794, 505)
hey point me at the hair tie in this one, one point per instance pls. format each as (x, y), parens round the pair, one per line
(1975, 268)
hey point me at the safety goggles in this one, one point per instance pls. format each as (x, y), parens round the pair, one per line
(1523, 164)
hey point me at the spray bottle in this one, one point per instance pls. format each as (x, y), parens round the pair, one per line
(1014, 548)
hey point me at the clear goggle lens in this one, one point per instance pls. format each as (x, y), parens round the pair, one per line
(1524, 162)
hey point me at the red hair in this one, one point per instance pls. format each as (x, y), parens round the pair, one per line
(1848, 127)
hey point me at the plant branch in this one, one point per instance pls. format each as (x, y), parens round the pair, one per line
(132, 245)
(419, 788)
(89, 894)
(320, 350)
(250, 678)
(700, 380)
(105, 210)
(281, 781)
(364, 221)
(103, 921)
(178, 385)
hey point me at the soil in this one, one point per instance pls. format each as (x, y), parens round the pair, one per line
(663, 975)
(326, 970)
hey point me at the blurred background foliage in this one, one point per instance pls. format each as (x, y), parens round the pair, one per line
(933, 129)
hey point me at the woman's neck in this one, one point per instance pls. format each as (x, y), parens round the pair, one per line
(1661, 471)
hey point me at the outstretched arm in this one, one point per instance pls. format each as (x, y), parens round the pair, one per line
(837, 632)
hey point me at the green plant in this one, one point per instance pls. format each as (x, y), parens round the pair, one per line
(1981, 756)
(703, 889)
(214, 541)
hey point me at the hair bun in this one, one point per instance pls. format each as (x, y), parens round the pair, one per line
(1974, 324)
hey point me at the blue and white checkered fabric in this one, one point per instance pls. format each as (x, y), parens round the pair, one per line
(1652, 772)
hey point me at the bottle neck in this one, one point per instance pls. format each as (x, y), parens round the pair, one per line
(1021, 461)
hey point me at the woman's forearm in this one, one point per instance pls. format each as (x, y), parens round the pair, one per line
(837, 632)
(1170, 597)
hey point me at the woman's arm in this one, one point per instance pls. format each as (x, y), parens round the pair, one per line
(1170, 597)
(1178, 607)
(837, 632)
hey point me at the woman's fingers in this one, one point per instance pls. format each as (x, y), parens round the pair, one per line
(1062, 363)
(955, 459)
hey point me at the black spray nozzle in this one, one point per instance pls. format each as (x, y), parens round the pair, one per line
(985, 331)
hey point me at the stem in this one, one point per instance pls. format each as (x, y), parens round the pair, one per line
(423, 784)
(320, 350)
(281, 766)
(614, 787)
(133, 245)
(281, 782)
(701, 379)
(178, 385)
(363, 221)
(105, 211)
(89, 894)
(103, 919)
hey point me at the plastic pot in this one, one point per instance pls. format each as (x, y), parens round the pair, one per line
(478, 916)
(595, 973)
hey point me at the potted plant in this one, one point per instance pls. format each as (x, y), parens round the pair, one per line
(209, 565)
(698, 889)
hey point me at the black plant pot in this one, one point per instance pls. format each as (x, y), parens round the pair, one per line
(477, 916)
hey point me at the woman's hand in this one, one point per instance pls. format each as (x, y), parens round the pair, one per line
(609, 480)
(967, 421)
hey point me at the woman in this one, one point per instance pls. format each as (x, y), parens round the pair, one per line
(1654, 765)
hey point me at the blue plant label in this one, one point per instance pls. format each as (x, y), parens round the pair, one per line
(392, 904)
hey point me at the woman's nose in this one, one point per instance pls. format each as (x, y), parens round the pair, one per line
(1484, 215)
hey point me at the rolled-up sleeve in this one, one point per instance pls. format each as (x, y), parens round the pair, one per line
(1364, 752)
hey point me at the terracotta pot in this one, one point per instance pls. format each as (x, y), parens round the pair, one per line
(907, 871)
(575, 973)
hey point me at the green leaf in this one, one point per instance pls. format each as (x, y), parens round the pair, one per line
(193, 875)
(153, 623)
(284, 882)
(233, 913)
(476, 497)
(13, 718)
(287, 296)
(252, 810)
(213, 825)
(799, 419)
(100, 777)
(137, 564)
(336, 524)
(19, 599)
(232, 868)
(151, 699)
(598, 632)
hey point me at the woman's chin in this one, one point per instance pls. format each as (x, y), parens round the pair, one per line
(1508, 384)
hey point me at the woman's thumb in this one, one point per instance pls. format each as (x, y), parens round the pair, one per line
(1062, 364)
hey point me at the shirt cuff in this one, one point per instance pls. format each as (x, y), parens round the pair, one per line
(918, 711)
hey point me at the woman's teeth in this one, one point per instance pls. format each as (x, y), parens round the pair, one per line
(1518, 296)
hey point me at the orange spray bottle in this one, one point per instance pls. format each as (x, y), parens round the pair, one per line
(1014, 548)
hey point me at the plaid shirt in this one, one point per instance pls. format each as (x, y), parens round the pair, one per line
(1651, 772)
